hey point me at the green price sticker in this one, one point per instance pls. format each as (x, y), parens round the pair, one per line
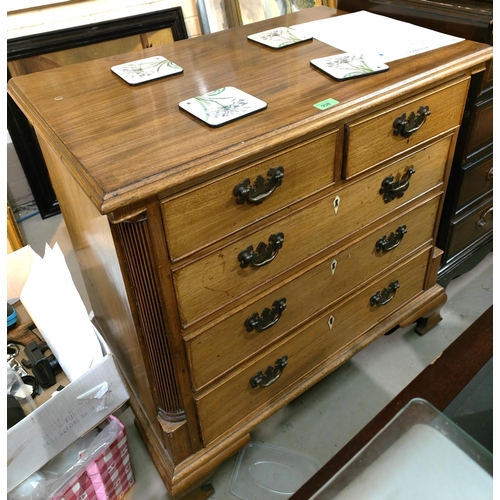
(327, 103)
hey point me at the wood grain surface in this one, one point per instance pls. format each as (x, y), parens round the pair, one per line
(127, 142)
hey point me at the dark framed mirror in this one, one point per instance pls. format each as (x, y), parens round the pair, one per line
(44, 51)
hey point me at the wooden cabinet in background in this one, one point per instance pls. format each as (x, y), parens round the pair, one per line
(466, 227)
(232, 268)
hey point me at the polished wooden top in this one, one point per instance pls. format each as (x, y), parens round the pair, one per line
(125, 144)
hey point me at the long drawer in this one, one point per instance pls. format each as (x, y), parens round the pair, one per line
(209, 283)
(217, 349)
(237, 397)
(209, 212)
(375, 138)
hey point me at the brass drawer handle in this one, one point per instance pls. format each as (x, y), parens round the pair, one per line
(381, 298)
(392, 189)
(261, 188)
(264, 253)
(268, 318)
(482, 221)
(271, 374)
(406, 127)
(387, 243)
(489, 175)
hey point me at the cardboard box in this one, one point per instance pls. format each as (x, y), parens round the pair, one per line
(68, 415)
(92, 394)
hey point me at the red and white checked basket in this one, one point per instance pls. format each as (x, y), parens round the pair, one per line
(107, 477)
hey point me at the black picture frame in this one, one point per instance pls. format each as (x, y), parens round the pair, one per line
(22, 133)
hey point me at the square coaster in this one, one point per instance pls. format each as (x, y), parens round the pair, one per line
(346, 66)
(222, 105)
(144, 70)
(279, 37)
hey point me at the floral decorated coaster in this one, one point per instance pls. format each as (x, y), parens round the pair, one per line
(345, 66)
(222, 105)
(279, 37)
(147, 69)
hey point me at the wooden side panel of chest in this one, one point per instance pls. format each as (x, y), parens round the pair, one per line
(105, 280)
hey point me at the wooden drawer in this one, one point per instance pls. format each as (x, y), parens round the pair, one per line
(215, 280)
(481, 130)
(477, 181)
(215, 350)
(333, 333)
(471, 227)
(209, 212)
(372, 139)
(487, 81)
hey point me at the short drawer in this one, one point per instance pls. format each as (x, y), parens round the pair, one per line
(477, 180)
(375, 138)
(250, 329)
(487, 81)
(204, 285)
(481, 129)
(211, 211)
(236, 398)
(470, 227)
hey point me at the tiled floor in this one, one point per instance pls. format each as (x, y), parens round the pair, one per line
(324, 418)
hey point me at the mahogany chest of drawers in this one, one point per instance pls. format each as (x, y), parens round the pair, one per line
(231, 268)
